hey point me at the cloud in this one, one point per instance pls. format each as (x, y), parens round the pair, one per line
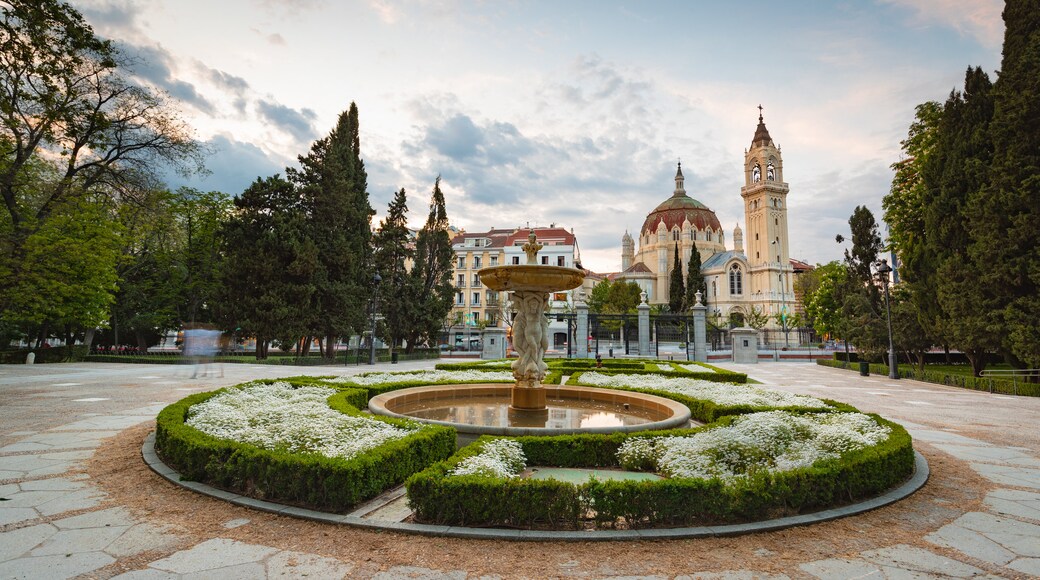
(233, 165)
(980, 19)
(111, 17)
(295, 123)
(225, 81)
(156, 65)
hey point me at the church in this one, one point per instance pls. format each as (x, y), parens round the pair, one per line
(737, 279)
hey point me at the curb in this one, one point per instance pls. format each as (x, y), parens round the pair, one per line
(916, 482)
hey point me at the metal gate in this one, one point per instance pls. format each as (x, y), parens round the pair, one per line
(672, 336)
(613, 335)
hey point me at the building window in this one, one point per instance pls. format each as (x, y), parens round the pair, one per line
(492, 298)
(494, 260)
(476, 280)
(476, 299)
(736, 281)
(462, 262)
(675, 235)
(559, 296)
(714, 288)
(770, 172)
(561, 260)
(476, 262)
(516, 260)
(492, 320)
(459, 299)
(545, 260)
(460, 281)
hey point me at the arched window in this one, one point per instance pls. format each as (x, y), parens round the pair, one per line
(714, 288)
(756, 174)
(675, 235)
(707, 235)
(770, 172)
(736, 281)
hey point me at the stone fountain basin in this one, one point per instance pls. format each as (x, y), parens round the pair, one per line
(538, 278)
(657, 412)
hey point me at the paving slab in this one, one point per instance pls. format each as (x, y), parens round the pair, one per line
(1009, 475)
(144, 537)
(1027, 565)
(419, 573)
(1013, 502)
(117, 516)
(908, 558)
(51, 484)
(75, 500)
(841, 568)
(54, 441)
(54, 566)
(990, 454)
(16, 515)
(971, 543)
(148, 574)
(212, 555)
(17, 542)
(247, 571)
(79, 541)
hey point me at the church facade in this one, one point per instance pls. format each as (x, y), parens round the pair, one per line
(738, 280)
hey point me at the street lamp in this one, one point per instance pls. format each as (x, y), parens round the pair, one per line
(376, 279)
(883, 270)
(783, 289)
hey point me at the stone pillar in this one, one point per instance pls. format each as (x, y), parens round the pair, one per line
(700, 331)
(581, 333)
(745, 345)
(494, 341)
(644, 326)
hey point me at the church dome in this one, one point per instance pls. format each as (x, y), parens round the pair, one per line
(679, 208)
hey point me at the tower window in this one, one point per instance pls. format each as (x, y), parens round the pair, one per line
(776, 221)
(756, 235)
(736, 281)
(675, 235)
(770, 172)
(756, 174)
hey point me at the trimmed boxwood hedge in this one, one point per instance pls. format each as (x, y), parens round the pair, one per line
(312, 480)
(488, 501)
(989, 384)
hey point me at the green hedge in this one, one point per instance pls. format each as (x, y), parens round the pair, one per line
(988, 384)
(473, 500)
(311, 480)
(719, 377)
(52, 354)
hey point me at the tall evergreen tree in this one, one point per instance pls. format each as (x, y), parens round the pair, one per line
(676, 288)
(695, 280)
(333, 185)
(1005, 253)
(430, 288)
(860, 297)
(390, 251)
(269, 264)
(955, 175)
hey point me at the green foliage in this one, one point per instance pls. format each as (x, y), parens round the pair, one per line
(307, 479)
(942, 377)
(695, 280)
(676, 288)
(756, 318)
(429, 289)
(266, 239)
(390, 252)
(619, 297)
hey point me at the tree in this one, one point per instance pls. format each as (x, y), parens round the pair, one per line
(1004, 249)
(389, 253)
(861, 298)
(65, 97)
(676, 288)
(756, 318)
(269, 264)
(333, 186)
(695, 280)
(823, 304)
(430, 288)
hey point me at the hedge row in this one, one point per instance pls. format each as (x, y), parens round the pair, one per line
(990, 384)
(312, 480)
(473, 500)
(52, 354)
(718, 377)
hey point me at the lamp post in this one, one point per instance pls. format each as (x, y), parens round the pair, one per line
(883, 270)
(376, 279)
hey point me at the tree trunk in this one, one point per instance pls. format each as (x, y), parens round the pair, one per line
(977, 360)
(260, 354)
(330, 347)
(305, 349)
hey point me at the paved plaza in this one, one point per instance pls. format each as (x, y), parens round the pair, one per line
(65, 512)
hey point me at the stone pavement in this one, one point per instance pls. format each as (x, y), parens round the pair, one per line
(56, 523)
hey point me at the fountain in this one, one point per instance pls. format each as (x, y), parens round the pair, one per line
(528, 407)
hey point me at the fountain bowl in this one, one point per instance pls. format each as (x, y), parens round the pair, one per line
(531, 278)
(484, 409)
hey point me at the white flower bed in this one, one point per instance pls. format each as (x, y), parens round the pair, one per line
(718, 393)
(697, 369)
(773, 441)
(429, 376)
(277, 416)
(499, 458)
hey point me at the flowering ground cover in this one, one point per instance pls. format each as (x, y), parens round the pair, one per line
(277, 416)
(772, 441)
(499, 458)
(695, 368)
(431, 377)
(719, 393)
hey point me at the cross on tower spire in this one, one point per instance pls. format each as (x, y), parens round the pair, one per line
(760, 113)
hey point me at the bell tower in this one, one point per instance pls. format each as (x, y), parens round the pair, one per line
(765, 215)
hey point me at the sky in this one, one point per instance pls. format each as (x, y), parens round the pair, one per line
(572, 113)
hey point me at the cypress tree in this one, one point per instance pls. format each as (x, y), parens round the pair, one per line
(676, 288)
(430, 286)
(695, 280)
(390, 250)
(1005, 254)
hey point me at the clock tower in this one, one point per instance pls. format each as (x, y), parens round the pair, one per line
(765, 234)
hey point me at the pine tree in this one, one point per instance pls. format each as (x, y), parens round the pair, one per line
(860, 297)
(695, 280)
(676, 288)
(1005, 253)
(333, 186)
(390, 251)
(429, 285)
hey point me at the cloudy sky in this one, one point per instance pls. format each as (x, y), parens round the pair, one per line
(566, 112)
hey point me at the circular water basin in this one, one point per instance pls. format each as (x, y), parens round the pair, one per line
(485, 410)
